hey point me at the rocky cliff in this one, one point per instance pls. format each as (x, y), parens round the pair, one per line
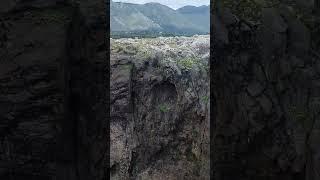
(265, 88)
(53, 87)
(53, 100)
(160, 108)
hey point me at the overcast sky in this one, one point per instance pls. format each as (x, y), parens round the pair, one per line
(171, 3)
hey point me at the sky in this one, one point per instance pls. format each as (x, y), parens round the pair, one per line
(174, 4)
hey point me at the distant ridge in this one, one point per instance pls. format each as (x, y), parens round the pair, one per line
(158, 18)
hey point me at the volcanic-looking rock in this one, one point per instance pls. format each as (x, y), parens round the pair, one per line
(160, 108)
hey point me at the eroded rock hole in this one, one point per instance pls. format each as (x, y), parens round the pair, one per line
(164, 94)
(164, 111)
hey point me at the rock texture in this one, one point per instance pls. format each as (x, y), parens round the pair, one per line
(265, 88)
(53, 90)
(160, 108)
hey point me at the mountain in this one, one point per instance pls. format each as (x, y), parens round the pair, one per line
(200, 16)
(155, 17)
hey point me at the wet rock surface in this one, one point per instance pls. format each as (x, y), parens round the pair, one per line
(160, 108)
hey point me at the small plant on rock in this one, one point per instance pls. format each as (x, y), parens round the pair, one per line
(187, 63)
(205, 99)
(164, 108)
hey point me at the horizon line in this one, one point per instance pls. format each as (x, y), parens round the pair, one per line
(119, 1)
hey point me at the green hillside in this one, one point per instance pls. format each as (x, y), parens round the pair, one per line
(156, 19)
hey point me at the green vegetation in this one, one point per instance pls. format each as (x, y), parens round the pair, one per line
(154, 20)
(205, 99)
(164, 52)
(127, 67)
(126, 49)
(188, 62)
(145, 34)
(173, 45)
(137, 49)
(164, 108)
(144, 54)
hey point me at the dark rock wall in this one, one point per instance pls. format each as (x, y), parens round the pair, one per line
(159, 117)
(53, 85)
(53, 90)
(265, 91)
